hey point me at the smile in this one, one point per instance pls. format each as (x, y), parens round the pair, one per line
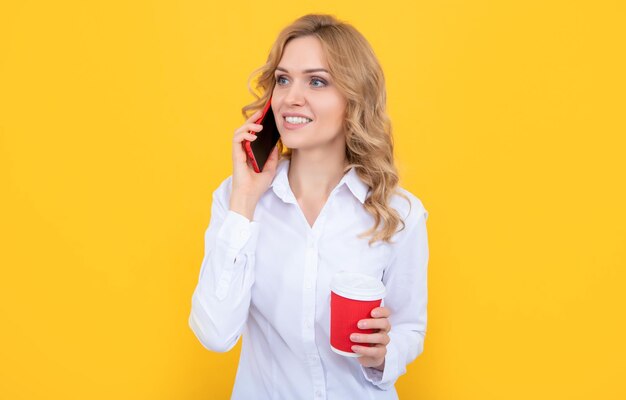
(297, 120)
(294, 123)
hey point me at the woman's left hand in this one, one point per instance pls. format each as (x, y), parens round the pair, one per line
(373, 356)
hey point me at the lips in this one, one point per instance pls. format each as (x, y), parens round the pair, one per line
(292, 126)
(297, 120)
(289, 114)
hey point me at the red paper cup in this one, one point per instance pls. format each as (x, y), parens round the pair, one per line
(353, 296)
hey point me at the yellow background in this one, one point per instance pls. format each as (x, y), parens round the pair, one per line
(115, 127)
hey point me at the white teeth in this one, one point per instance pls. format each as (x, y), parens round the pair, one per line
(297, 120)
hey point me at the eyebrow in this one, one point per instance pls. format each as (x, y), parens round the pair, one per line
(306, 71)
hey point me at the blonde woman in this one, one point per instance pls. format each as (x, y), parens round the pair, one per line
(327, 200)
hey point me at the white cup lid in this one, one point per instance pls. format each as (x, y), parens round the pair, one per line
(357, 286)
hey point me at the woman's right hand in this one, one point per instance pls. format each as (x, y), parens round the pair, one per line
(249, 186)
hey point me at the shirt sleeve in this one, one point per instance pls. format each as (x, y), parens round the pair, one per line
(406, 281)
(221, 299)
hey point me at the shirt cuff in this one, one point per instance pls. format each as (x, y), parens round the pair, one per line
(238, 233)
(386, 378)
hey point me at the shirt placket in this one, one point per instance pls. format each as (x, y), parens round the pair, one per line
(309, 302)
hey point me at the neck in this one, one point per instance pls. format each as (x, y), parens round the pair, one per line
(315, 174)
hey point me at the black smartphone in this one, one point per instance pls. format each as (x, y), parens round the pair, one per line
(259, 150)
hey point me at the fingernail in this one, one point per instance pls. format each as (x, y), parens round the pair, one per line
(354, 336)
(374, 314)
(355, 348)
(362, 324)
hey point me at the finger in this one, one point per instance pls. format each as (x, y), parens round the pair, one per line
(378, 323)
(241, 136)
(254, 116)
(378, 351)
(374, 338)
(381, 312)
(249, 128)
(239, 152)
(372, 362)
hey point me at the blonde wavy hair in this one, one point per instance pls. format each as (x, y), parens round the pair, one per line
(358, 75)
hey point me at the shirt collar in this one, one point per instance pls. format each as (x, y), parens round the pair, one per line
(358, 188)
(280, 184)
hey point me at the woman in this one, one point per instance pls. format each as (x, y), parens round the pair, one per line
(327, 200)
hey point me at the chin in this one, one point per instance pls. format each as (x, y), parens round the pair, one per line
(291, 140)
(291, 144)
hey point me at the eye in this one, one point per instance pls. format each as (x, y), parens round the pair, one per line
(317, 82)
(280, 80)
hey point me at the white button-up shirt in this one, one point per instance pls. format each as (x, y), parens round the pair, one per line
(269, 280)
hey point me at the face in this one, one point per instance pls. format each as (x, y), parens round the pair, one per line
(308, 107)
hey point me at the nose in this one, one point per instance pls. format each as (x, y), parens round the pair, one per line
(295, 95)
